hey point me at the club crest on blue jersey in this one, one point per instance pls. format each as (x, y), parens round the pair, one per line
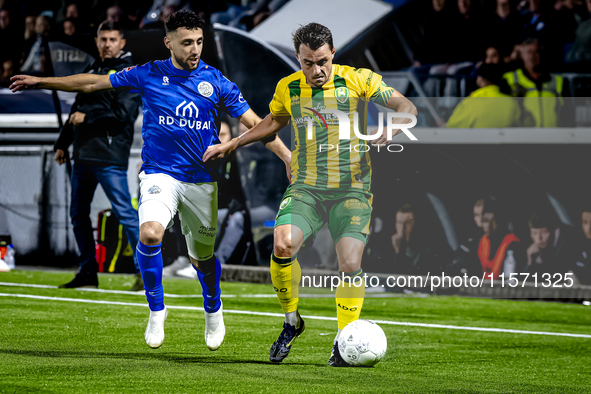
(205, 89)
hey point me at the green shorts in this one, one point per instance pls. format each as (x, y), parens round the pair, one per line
(347, 212)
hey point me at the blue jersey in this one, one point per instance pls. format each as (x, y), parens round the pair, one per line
(180, 108)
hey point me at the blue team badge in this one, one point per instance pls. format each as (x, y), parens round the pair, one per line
(154, 190)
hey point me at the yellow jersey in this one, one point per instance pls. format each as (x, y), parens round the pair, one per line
(319, 158)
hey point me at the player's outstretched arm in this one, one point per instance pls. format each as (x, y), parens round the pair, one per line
(85, 83)
(269, 126)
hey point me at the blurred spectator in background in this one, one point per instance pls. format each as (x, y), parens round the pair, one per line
(552, 28)
(582, 260)
(35, 62)
(437, 44)
(7, 72)
(541, 91)
(115, 14)
(489, 106)
(29, 35)
(548, 252)
(492, 55)
(470, 32)
(505, 27)
(248, 17)
(101, 128)
(578, 57)
(72, 11)
(9, 37)
(69, 26)
(80, 13)
(477, 211)
(576, 7)
(411, 255)
(499, 249)
(470, 245)
(466, 260)
(160, 10)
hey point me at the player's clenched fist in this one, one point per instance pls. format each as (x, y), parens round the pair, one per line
(219, 151)
(22, 82)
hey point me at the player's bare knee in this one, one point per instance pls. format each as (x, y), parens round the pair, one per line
(151, 233)
(282, 247)
(349, 265)
(287, 242)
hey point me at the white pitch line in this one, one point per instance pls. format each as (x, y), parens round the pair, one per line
(325, 318)
(141, 293)
(126, 292)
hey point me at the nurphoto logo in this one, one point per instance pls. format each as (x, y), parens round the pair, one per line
(345, 128)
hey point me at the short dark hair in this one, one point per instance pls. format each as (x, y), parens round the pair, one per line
(109, 26)
(313, 35)
(73, 21)
(538, 220)
(183, 18)
(530, 40)
(493, 73)
(406, 208)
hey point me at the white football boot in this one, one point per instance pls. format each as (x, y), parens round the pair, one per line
(155, 330)
(215, 330)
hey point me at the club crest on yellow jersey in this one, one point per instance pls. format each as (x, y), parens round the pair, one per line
(342, 94)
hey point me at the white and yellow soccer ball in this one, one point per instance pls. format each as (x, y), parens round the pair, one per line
(362, 343)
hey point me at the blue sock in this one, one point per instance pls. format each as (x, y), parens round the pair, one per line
(210, 283)
(149, 259)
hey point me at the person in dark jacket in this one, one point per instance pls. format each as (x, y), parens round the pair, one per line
(582, 255)
(549, 252)
(101, 128)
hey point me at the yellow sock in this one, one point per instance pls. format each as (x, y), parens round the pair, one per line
(349, 298)
(286, 274)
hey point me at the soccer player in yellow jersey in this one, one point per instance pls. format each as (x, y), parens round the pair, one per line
(331, 175)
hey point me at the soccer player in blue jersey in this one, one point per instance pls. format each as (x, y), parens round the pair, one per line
(181, 98)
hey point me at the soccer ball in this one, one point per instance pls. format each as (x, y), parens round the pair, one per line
(362, 343)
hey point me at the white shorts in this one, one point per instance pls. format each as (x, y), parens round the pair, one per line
(161, 196)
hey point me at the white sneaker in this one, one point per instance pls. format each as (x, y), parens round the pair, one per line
(155, 331)
(180, 263)
(188, 272)
(215, 330)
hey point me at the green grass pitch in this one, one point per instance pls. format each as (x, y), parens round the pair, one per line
(58, 346)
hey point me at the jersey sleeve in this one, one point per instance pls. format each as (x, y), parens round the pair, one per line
(374, 88)
(231, 98)
(277, 105)
(367, 83)
(129, 79)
